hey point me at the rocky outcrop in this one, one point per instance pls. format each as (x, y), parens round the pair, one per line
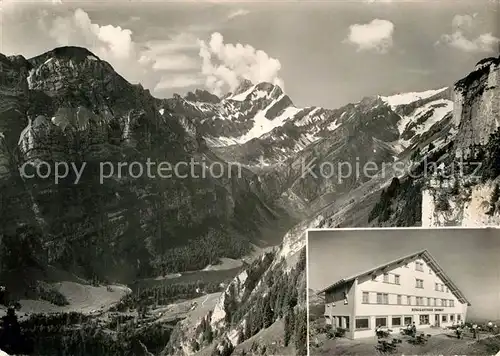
(477, 118)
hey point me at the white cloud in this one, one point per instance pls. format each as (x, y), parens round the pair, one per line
(109, 41)
(137, 62)
(237, 13)
(464, 39)
(485, 42)
(226, 65)
(176, 62)
(172, 54)
(374, 36)
(463, 22)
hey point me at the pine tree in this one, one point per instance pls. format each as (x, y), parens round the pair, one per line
(241, 336)
(495, 195)
(249, 326)
(267, 314)
(208, 335)
(301, 333)
(456, 187)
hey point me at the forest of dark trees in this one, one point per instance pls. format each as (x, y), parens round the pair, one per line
(75, 334)
(163, 294)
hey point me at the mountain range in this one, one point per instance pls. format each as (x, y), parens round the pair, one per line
(68, 105)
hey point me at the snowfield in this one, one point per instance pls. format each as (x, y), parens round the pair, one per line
(407, 98)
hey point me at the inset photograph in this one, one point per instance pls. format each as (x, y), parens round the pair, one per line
(404, 291)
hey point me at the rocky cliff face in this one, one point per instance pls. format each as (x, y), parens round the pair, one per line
(476, 117)
(477, 107)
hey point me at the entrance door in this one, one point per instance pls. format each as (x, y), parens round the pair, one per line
(436, 319)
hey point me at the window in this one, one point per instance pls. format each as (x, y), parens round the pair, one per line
(366, 298)
(430, 271)
(382, 321)
(396, 279)
(408, 320)
(419, 266)
(436, 286)
(382, 298)
(452, 317)
(459, 317)
(362, 323)
(429, 301)
(424, 319)
(399, 300)
(444, 318)
(386, 278)
(396, 321)
(433, 302)
(419, 283)
(441, 288)
(420, 300)
(408, 300)
(452, 303)
(447, 290)
(443, 303)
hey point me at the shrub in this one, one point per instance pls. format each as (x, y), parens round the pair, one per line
(442, 203)
(339, 332)
(49, 293)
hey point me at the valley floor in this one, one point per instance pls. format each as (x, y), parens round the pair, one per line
(82, 298)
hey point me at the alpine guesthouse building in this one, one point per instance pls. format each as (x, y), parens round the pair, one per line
(411, 289)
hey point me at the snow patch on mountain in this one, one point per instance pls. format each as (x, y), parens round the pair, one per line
(422, 119)
(407, 98)
(262, 124)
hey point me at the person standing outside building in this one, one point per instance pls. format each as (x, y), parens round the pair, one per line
(414, 330)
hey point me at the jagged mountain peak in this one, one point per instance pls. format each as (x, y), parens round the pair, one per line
(483, 67)
(203, 96)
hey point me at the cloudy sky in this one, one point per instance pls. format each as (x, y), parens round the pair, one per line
(468, 256)
(326, 53)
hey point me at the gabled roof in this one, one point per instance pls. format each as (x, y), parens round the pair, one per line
(423, 254)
